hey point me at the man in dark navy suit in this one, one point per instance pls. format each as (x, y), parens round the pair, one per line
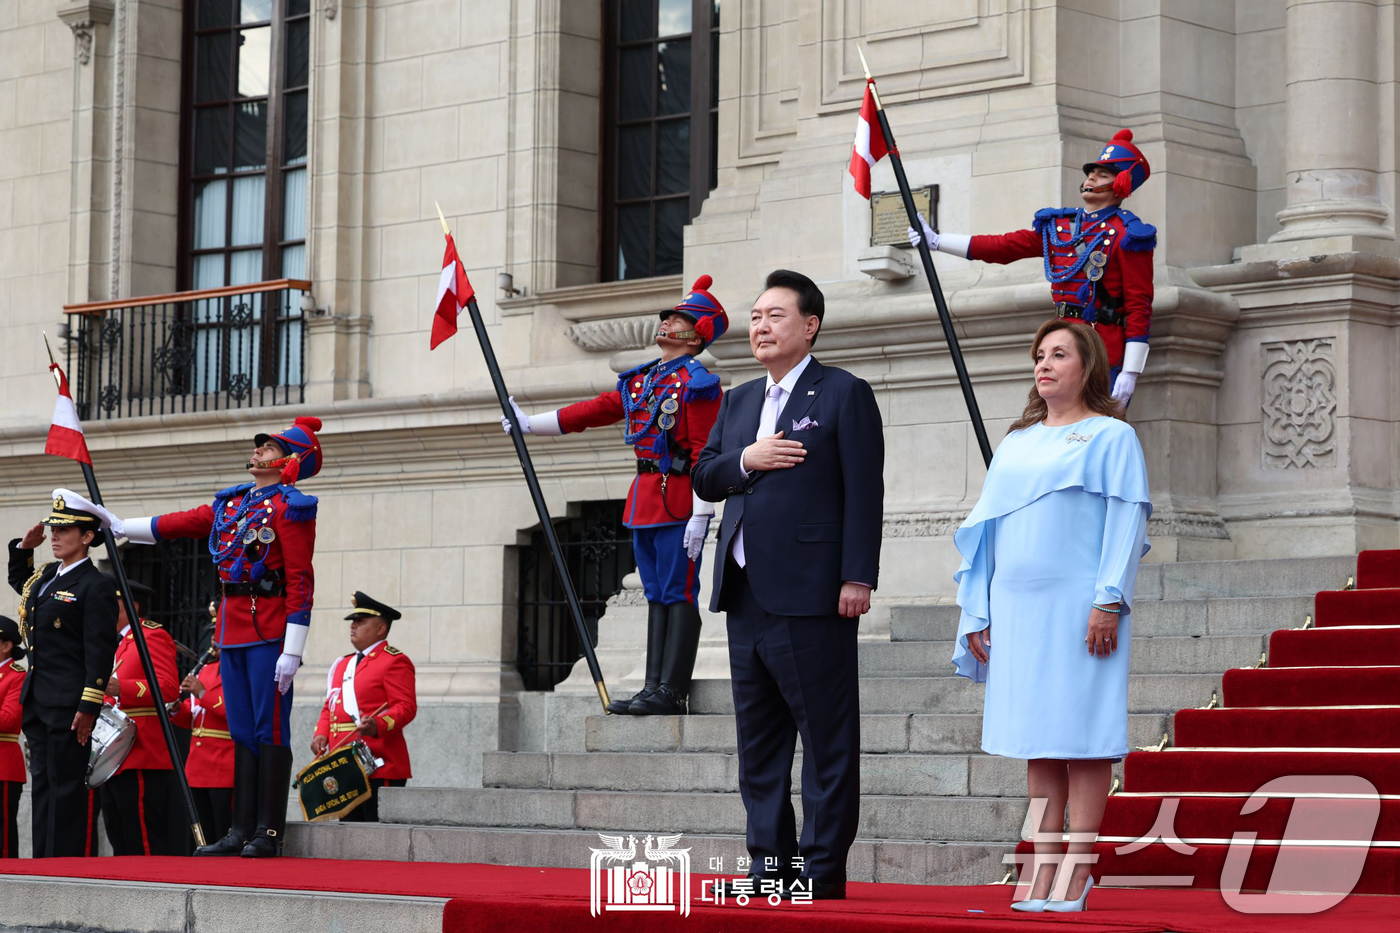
(798, 457)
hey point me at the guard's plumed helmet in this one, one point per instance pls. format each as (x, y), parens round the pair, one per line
(704, 309)
(1119, 154)
(303, 450)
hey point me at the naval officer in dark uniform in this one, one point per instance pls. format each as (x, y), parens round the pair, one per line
(69, 609)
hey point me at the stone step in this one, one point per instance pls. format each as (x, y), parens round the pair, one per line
(1165, 655)
(949, 818)
(1153, 618)
(887, 860)
(879, 733)
(1147, 693)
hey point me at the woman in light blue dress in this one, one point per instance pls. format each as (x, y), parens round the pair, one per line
(1049, 559)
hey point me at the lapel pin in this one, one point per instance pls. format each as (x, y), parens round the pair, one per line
(811, 391)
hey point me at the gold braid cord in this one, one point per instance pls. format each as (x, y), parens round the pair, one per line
(24, 599)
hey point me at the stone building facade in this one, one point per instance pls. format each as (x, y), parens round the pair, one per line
(1270, 407)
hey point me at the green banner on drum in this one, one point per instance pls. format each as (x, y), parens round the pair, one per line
(332, 786)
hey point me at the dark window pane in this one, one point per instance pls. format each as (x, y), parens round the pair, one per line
(671, 217)
(255, 11)
(673, 17)
(210, 140)
(254, 61)
(714, 151)
(714, 69)
(715, 24)
(672, 156)
(298, 40)
(634, 242)
(634, 20)
(213, 63)
(294, 128)
(634, 84)
(250, 135)
(673, 77)
(634, 162)
(298, 7)
(215, 13)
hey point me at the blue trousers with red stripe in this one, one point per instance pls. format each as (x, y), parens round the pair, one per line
(257, 713)
(668, 575)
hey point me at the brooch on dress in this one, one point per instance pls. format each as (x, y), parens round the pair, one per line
(1081, 438)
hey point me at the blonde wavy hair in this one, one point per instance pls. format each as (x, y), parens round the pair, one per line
(1094, 389)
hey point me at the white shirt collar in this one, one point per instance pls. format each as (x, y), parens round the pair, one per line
(73, 566)
(124, 632)
(382, 641)
(790, 380)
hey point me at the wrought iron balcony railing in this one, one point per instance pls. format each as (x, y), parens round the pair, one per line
(236, 347)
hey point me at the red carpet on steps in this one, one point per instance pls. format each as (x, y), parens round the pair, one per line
(1378, 569)
(1311, 686)
(501, 899)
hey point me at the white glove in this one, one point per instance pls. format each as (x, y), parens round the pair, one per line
(287, 665)
(915, 238)
(695, 531)
(1123, 387)
(520, 416)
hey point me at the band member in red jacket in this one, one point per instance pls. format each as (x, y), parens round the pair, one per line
(209, 767)
(134, 799)
(371, 692)
(1098, 257)
(261, 536)
(667, 408)
(12, 770)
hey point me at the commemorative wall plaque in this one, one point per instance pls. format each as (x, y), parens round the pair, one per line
(889, 223)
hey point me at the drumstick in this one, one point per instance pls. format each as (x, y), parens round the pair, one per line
(340, 741)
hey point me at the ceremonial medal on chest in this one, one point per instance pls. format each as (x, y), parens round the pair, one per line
(1093, 273)
(1098, 258)
(670, 406)
(266, 535)
(667, 421)
(250, 536)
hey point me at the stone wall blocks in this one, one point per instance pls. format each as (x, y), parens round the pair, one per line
(462, 75)
(421, 27)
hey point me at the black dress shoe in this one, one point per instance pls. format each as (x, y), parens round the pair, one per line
(624, 707)
(663, 702)
(821, 890)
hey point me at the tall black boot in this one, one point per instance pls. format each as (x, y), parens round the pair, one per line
(245, 805)
(274, 781)
(656, 641)
(677, 663)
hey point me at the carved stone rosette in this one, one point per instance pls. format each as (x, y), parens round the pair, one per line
(1300, 404)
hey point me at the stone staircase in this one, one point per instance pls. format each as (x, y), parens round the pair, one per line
(934, 808)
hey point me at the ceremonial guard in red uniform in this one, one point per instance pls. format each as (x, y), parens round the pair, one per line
(668, 407)
(261, 535)
(371, 692)
(134, 799)
(1098, 257)
(12, 770)
(210, 765)
(69, 610)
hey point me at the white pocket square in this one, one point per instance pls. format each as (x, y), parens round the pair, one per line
(804, 424)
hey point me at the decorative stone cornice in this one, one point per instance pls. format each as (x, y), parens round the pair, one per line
(631, 333)
(1180, 523)
(931, 524)
(83, 19)
(603, 300)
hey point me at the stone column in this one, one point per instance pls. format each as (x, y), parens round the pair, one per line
(1333, 144)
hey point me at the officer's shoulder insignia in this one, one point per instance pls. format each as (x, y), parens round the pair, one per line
(1138, 236)
(300, 506)
(702, 385)
(390, 649)
(232, 491)
(18, 668)
(1048, 215)
(147, 623)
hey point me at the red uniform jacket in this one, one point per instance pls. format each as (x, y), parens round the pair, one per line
(11, 716)
(137, 697)
(1127, 277)
(210, 762)
(386, 675)
(697, 395)
(291, 516)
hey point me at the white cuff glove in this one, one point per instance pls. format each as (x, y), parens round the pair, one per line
(694, 539)
(287, 665)
(1123, 387)
(520, 416)
(135, 530)
(915, 238)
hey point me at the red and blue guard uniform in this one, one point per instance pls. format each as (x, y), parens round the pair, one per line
(667, 410)
(12, 770)
(134, 799)
(1099, 265)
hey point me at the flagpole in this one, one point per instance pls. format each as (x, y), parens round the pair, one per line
(527, 466)
(138, 633)
(960, 367)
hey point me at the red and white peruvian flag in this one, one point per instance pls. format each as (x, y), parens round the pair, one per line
(870, 144)
(66, 432)
(454, 291)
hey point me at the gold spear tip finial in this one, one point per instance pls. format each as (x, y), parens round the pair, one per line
(863, 64)
(445, 230)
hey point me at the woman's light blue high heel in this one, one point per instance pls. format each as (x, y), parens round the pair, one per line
(1071, 907)
(1032, 905)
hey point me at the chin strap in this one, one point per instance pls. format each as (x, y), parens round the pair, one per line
(1097, 189)
(291, 467)
(682, 335)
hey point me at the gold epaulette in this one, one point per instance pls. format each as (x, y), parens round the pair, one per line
(29, 585)
(389, 649)
(147, 623)
(18, 668)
